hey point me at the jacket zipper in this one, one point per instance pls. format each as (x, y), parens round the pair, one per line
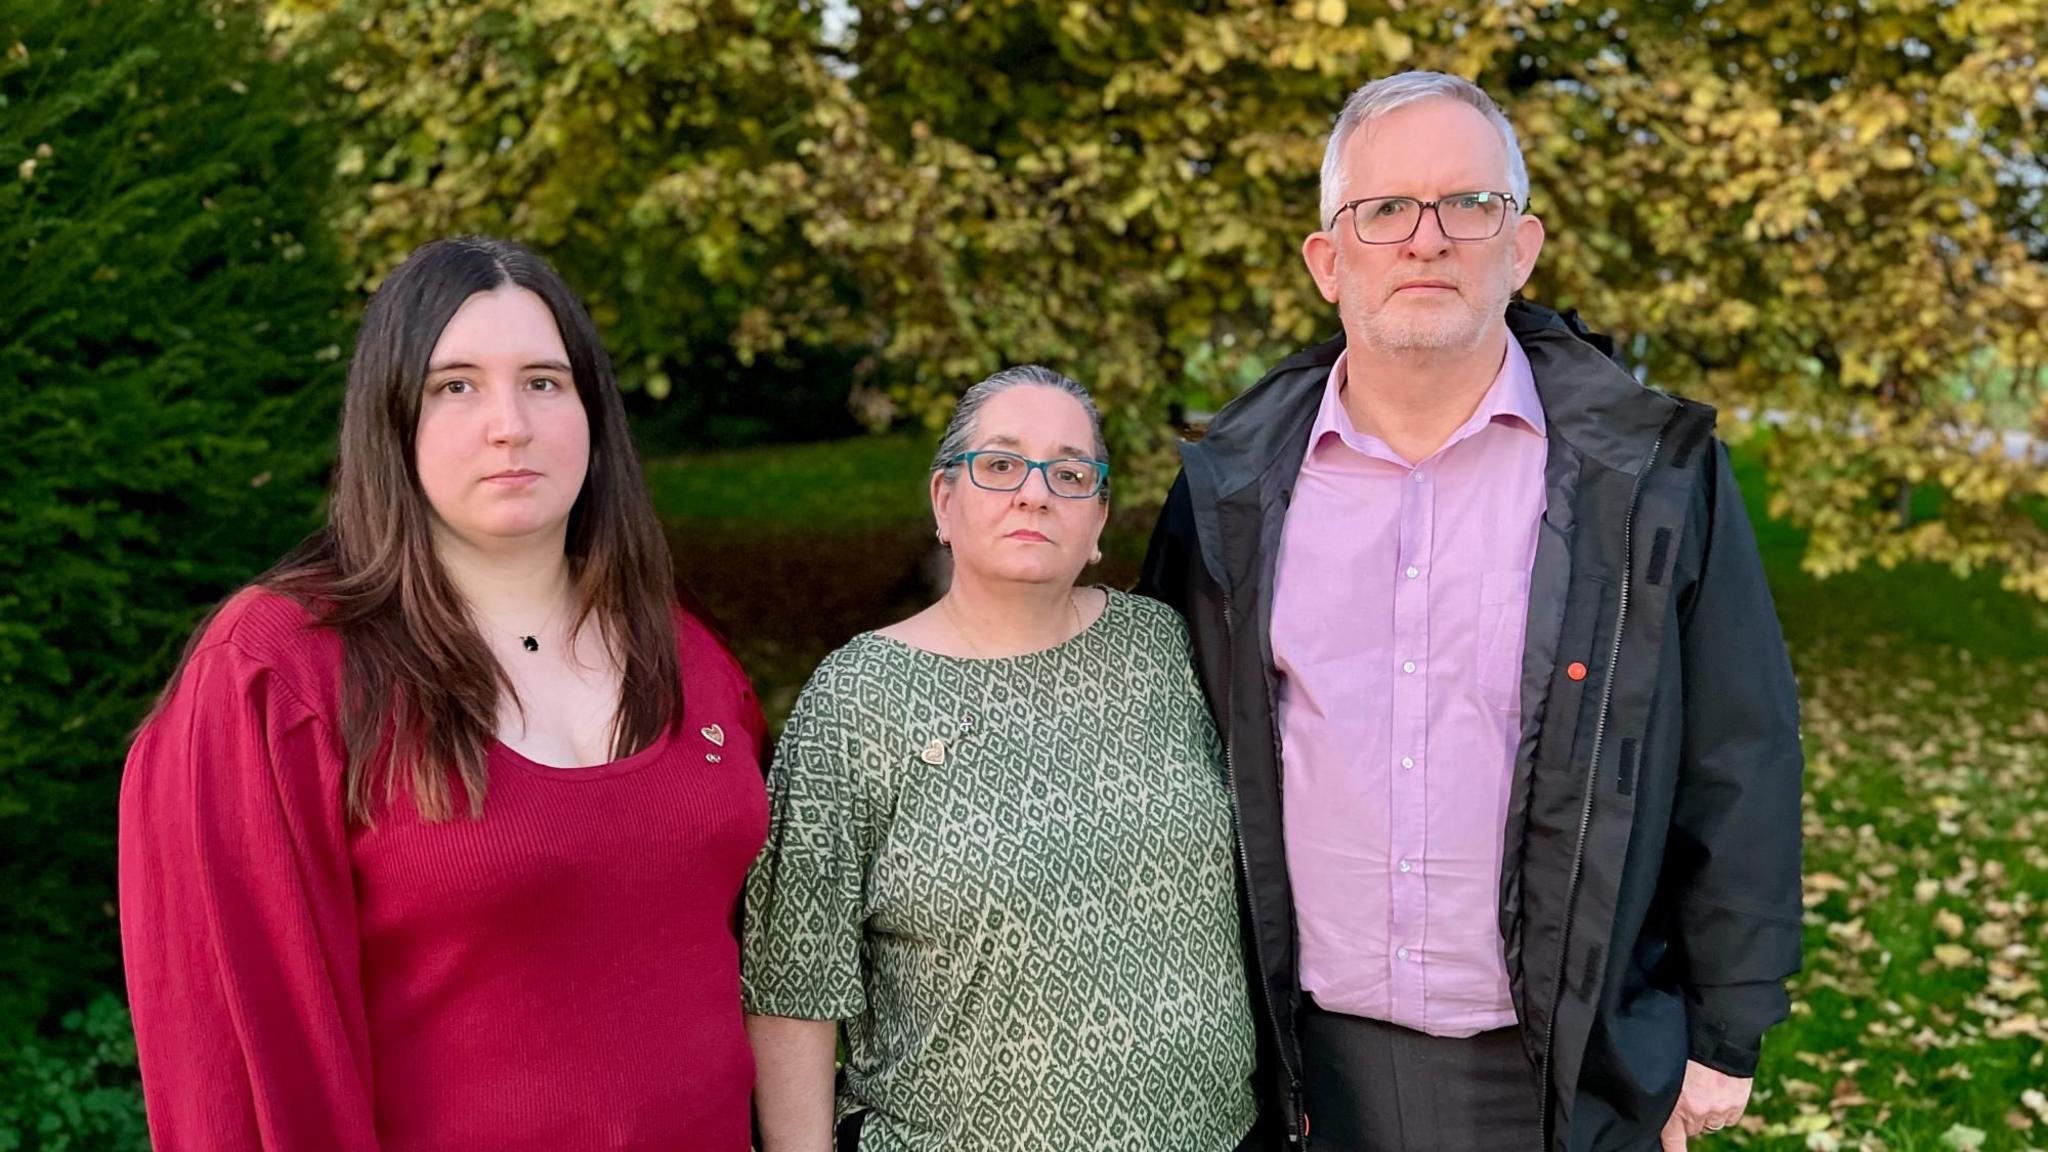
(1244, 863)
(1571, 900)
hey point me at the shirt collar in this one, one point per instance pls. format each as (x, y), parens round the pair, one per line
(1513, 392)
(1511, 397)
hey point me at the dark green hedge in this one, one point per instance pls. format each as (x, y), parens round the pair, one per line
(171, 312)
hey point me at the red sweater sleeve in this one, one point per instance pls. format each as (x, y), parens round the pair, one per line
(756, 722)
(238, 924)
(697, 642)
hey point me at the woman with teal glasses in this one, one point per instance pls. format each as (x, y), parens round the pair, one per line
(1000, 851)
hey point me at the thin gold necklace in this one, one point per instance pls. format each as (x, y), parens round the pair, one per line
(953, 618)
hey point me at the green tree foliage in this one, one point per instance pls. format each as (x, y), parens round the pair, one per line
(555, 122)
(1822, 212)
(1120, 197)
(1819, 212)
(168, 372)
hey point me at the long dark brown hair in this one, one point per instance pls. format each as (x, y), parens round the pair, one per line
(420, 687)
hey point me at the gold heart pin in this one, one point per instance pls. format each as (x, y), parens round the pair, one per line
(714, 733)
(934, 752)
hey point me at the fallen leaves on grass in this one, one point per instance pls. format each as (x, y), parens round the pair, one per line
(1920, 1019)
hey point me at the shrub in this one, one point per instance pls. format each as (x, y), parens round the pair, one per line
(168, 370)
(77, 1090)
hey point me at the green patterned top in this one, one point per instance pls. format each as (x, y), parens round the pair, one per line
(1013, 882)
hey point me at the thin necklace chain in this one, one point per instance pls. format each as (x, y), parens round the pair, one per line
(953, 618)
(531, 640)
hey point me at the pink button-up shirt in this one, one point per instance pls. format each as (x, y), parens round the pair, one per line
(1400, 600)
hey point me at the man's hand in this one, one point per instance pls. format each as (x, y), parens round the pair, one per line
(1709, 1102)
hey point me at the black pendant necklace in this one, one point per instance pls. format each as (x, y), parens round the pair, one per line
(531, 642)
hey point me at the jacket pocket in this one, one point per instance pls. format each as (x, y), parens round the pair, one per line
(1503, 619)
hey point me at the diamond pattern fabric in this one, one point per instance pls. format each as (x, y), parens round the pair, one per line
(1013, 882)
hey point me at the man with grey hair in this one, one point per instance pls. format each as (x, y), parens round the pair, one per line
(1489, 616)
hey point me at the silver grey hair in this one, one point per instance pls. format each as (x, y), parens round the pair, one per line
(961, 429)
(1388, 93)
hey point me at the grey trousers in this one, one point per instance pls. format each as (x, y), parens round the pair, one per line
(1370, 1086)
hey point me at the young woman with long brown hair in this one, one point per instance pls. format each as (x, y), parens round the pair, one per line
(435, 838)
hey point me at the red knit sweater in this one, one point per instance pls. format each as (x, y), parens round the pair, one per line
(561, 974)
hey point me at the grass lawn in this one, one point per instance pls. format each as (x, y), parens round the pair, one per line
(837, 487)
(1920, 1022)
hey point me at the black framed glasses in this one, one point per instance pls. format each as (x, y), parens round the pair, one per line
(1461, 216)
(1072, 478)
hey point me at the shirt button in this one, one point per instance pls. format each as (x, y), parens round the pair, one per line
(1409, 667)
(1418, 477)
(1403, 953)
(1413, 571)
(1407, 761)
(1406, 866)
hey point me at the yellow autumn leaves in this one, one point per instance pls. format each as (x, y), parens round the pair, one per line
(1921, 1008)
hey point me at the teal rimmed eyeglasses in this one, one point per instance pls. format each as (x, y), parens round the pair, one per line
(1072, 478)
